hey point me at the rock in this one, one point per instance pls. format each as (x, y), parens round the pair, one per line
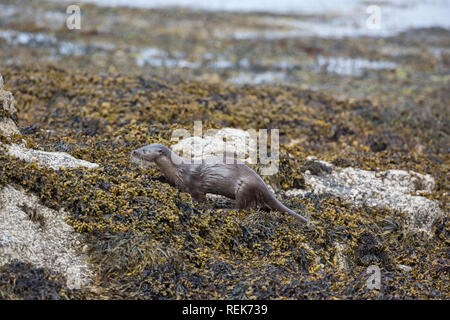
(342, 260)
(404, 267)
(54, 160)
(30, 232)
(391, 189)
(8, 127)
(227, 140)
(8, 113)
(33, 233)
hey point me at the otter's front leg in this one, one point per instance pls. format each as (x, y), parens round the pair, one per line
(199, 197)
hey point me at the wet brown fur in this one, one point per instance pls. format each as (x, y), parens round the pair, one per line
(213, 175)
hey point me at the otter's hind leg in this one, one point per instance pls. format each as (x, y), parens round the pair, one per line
(199, 197)
(245, 197)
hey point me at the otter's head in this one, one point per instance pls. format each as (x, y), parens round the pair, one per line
(150, 153)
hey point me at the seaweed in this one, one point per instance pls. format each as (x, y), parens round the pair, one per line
(20, 280)
(147, 240)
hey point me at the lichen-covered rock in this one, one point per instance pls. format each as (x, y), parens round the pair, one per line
(8, 113)
(228, 140)
(392, 189)
(7, 126)
(33, 233)
(54, 160)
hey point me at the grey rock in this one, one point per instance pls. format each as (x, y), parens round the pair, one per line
(227, 140)
(398, 190)
(341, 259)
(48, 242)
(8, 113)
(54, 160)
(404, 267)
(8, 126)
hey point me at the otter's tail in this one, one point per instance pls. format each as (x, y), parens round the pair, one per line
(274, 204)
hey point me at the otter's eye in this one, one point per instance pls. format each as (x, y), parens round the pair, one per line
(159, 151)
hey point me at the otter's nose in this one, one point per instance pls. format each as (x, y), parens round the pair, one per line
(134, 152)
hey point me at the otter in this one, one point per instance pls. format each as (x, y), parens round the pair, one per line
(214, 175)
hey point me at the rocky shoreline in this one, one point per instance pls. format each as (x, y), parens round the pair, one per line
(363, 154)
(132, 229)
